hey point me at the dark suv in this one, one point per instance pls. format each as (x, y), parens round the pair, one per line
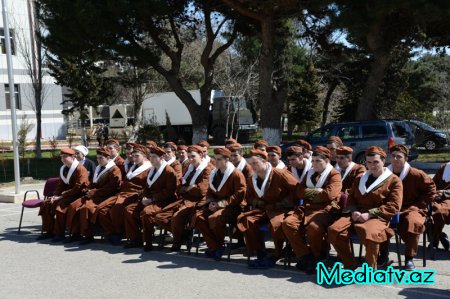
(359, 135)
(427, 136)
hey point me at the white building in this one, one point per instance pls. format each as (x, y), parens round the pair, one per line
(21, 24)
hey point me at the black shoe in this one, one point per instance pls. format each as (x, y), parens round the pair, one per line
(444, 241)
(218, 253)
(58, 238)
(115, 240)
(302, 264)
(175, 247)
(312, 266)
(148, 247)
(86, 240)
(239, 244)
(211, 253)
(45, 236)
(409, 265)
(73, 238)
(383, 259)
(133, 244)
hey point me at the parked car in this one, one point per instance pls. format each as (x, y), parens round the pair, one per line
(427, 136)
(359, 135)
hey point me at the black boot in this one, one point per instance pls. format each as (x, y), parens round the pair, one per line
(312, 266)
(302, 264)
(72, 238)
(45, 236)
(86, 240)
(133, 244)
(444, 241)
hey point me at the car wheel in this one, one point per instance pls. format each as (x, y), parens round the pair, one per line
(430, 145)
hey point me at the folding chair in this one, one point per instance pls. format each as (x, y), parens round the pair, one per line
(49, 189)
(427, 233)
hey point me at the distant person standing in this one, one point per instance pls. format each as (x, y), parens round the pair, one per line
(105, 132)
(99, 134)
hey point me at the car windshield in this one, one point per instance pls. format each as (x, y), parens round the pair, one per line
(424, 125)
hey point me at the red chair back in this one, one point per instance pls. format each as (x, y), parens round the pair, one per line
(50, 186)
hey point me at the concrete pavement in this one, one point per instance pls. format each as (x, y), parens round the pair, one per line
(29, 269)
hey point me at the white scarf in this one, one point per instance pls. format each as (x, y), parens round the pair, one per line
(260, 192)
(347, 170)
(98, 174)
(404, 172)
(323, 177)
(125, 165)
(137, 171)
(280, 165)
(171, 160)
(306, 167)
(379, 180)
(446, 174)
(198, 171)
(241, 164)
(69, 174)
(157, 174)
(207, 158)
(226, 175)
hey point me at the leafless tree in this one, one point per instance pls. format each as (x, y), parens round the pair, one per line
(236, 80)
(33, 55)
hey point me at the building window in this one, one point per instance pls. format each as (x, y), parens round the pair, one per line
(8, 97)
(2, 42)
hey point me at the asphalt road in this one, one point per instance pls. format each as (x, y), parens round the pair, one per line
(29, 269)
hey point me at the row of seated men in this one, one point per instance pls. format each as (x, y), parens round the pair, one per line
(322, 197)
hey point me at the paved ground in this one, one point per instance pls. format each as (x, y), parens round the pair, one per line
(39, 270)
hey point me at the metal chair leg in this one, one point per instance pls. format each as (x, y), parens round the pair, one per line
(397, 246)
(162, 238)
(424, 253)
(287, 255)
(230, 242)
(189, 240)
(20, 222)
(197, 245)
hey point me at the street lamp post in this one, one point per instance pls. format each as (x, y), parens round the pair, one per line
(12, 95)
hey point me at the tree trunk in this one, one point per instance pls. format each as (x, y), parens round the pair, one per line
(377, 44)
(271, 110)
(199, 113)
(326, 103)
(38, 152)
(366, 105)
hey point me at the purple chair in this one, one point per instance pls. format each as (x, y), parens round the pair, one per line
(49, 189)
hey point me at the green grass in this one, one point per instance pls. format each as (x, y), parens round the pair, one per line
(437, 157)
(41, 169)
(45, 154)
